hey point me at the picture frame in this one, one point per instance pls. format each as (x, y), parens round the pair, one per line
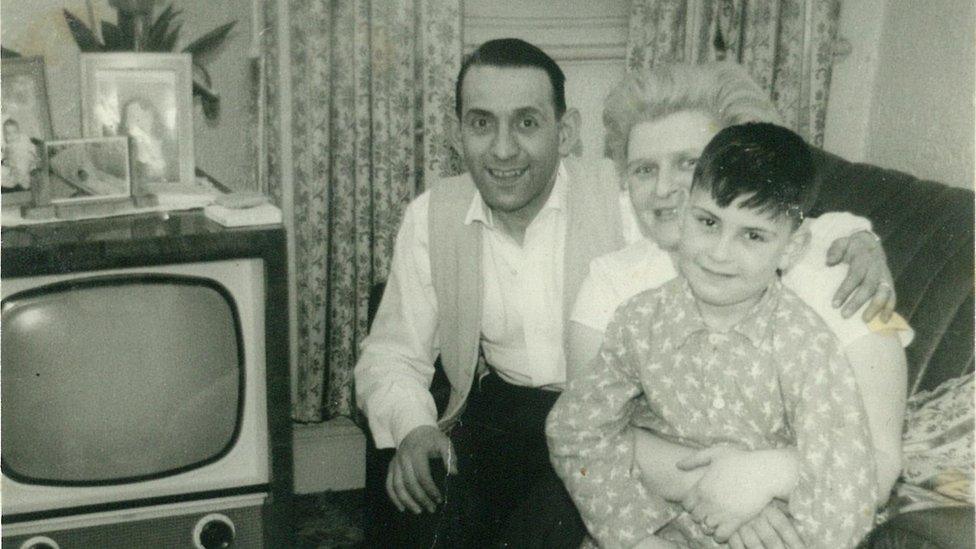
(148, 98)
(79, 171)
(26, 121)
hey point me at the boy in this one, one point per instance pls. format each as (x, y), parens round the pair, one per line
(723, 354)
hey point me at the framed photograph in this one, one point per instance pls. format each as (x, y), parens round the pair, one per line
(26, 119)
(85, 170)
(146, 97)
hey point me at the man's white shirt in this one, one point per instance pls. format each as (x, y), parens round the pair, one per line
(521, 324)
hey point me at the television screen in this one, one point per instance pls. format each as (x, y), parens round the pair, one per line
(116, 379)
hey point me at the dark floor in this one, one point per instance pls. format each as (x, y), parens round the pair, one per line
(330, 519)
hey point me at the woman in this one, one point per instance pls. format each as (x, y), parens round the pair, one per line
(657, 124)
(142, 122)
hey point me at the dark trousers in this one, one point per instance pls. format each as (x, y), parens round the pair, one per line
(505, 493)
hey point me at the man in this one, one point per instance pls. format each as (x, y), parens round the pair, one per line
(485, 271)
(486, 265)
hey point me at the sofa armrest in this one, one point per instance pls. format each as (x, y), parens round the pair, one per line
(941, 528)
(926, 228)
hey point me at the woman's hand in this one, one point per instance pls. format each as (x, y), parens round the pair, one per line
(868, 276)
(772, 529)
(736, 486)
(655, 542)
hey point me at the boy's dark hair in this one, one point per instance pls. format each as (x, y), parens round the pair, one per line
(512, 52)
(769, 162)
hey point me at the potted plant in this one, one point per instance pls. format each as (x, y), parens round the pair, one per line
(138, 29)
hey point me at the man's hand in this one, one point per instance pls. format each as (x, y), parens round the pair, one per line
(408, 480)
(772, 529)
(735, 488)
(867, 278)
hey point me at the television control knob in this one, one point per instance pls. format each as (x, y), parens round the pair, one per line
(214, 531)
(40, 542)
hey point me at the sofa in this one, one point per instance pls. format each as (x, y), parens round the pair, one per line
(926, 228)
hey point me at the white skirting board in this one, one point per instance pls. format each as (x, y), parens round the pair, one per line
(329, 456)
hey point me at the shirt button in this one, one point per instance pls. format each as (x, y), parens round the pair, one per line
(714, 339)
(718, 403)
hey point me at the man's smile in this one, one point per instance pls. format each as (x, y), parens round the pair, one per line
(512, 173)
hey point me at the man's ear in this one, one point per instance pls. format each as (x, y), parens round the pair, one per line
(569, 131)
(796, 247)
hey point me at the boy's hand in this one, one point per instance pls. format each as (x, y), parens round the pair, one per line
(736, 486)
(868, 276)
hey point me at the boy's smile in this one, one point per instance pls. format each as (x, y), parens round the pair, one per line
(730, 255)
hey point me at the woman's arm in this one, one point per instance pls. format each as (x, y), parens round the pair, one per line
(658, 459)
(841, 237)
(876, 357)
(880, 368)
(583, 345)
(868, 276)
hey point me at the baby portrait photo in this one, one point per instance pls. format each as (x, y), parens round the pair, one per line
(26, 123)
(147, 99)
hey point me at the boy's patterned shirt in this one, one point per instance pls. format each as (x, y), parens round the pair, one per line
(777, 379)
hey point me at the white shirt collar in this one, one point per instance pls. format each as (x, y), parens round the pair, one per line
(479, 211)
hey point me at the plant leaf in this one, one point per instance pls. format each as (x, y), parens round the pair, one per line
(83, 35)
(155, 34)
(126, 24)
(213, 181)
(204, 91)
(203, 73)
(8, 54)
(210, 40)
(115, 38)
(170, 39)
(209, 100)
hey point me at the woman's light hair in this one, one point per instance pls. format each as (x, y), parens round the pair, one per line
(724, 91)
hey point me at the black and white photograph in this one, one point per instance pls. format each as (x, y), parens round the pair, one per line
(87, 169)
(26, 120)
(147, 98)
(651, 274)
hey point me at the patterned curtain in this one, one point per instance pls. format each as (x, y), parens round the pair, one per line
(785, 44)
(371, 110)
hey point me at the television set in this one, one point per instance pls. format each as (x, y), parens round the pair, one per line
(142, 389)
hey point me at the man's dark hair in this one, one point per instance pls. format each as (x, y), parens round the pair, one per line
(512, 52)
(769, 163)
